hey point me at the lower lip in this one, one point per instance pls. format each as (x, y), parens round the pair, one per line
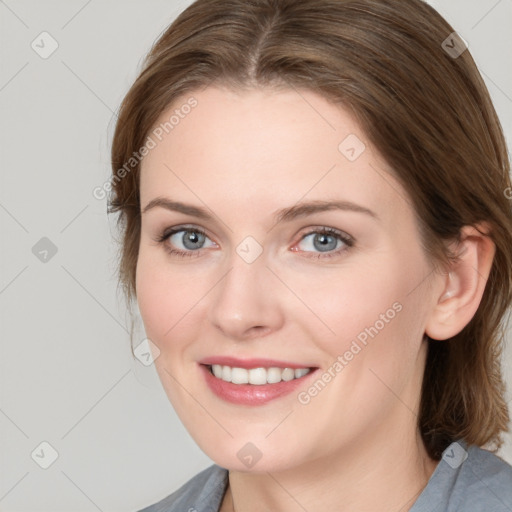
(250, 394)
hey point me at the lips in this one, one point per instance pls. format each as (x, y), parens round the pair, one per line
(257, 376)
(251, 363)
(253, 381)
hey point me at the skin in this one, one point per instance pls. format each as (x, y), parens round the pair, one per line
(244, 156)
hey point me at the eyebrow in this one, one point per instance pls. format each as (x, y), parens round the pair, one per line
(311, 207)
(176, 206)
(283, 215)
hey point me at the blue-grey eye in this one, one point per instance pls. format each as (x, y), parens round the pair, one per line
(189, 239)
(321, 242)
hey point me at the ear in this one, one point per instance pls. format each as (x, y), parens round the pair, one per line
(464, 283)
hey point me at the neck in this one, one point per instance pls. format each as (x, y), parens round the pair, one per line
(387, 472)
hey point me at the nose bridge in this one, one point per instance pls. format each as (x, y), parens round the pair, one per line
(242, 300)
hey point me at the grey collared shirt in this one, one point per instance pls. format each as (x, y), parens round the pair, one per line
(465, 480)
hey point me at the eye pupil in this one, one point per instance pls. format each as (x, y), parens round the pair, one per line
(192, 239)
(323, 242)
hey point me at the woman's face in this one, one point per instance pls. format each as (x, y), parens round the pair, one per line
(291, 246)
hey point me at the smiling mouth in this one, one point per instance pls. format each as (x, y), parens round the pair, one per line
(256, 376)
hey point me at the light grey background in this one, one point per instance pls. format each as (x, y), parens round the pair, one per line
(67, 375)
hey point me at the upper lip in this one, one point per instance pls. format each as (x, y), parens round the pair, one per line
(251, 363)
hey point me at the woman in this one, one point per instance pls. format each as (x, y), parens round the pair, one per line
(313, 201)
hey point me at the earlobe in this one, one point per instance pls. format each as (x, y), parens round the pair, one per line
(463, 284)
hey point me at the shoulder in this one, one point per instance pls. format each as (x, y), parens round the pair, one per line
(202, 493)
(470, 479)
(487, 480)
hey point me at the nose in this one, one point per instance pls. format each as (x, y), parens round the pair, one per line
(245, 304)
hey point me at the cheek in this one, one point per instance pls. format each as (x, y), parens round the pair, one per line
(372, 315)
(163, 297)
(346, 303)
(375, 348)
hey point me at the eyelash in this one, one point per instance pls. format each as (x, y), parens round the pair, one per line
(340, 235)
(176, 252)
(343, 237)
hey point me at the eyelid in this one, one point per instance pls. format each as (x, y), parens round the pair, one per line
(162, 239)
(344, 237)
(182, 227)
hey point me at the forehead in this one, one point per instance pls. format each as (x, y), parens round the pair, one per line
(263, 149)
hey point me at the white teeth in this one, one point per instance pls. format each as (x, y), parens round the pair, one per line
(288, 374)
(239, 376)
(257, 376)
(217, 370)
(226, 373)
(300, 372)
(273, 375)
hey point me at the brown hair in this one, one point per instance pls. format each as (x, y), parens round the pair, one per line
(426, 110)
